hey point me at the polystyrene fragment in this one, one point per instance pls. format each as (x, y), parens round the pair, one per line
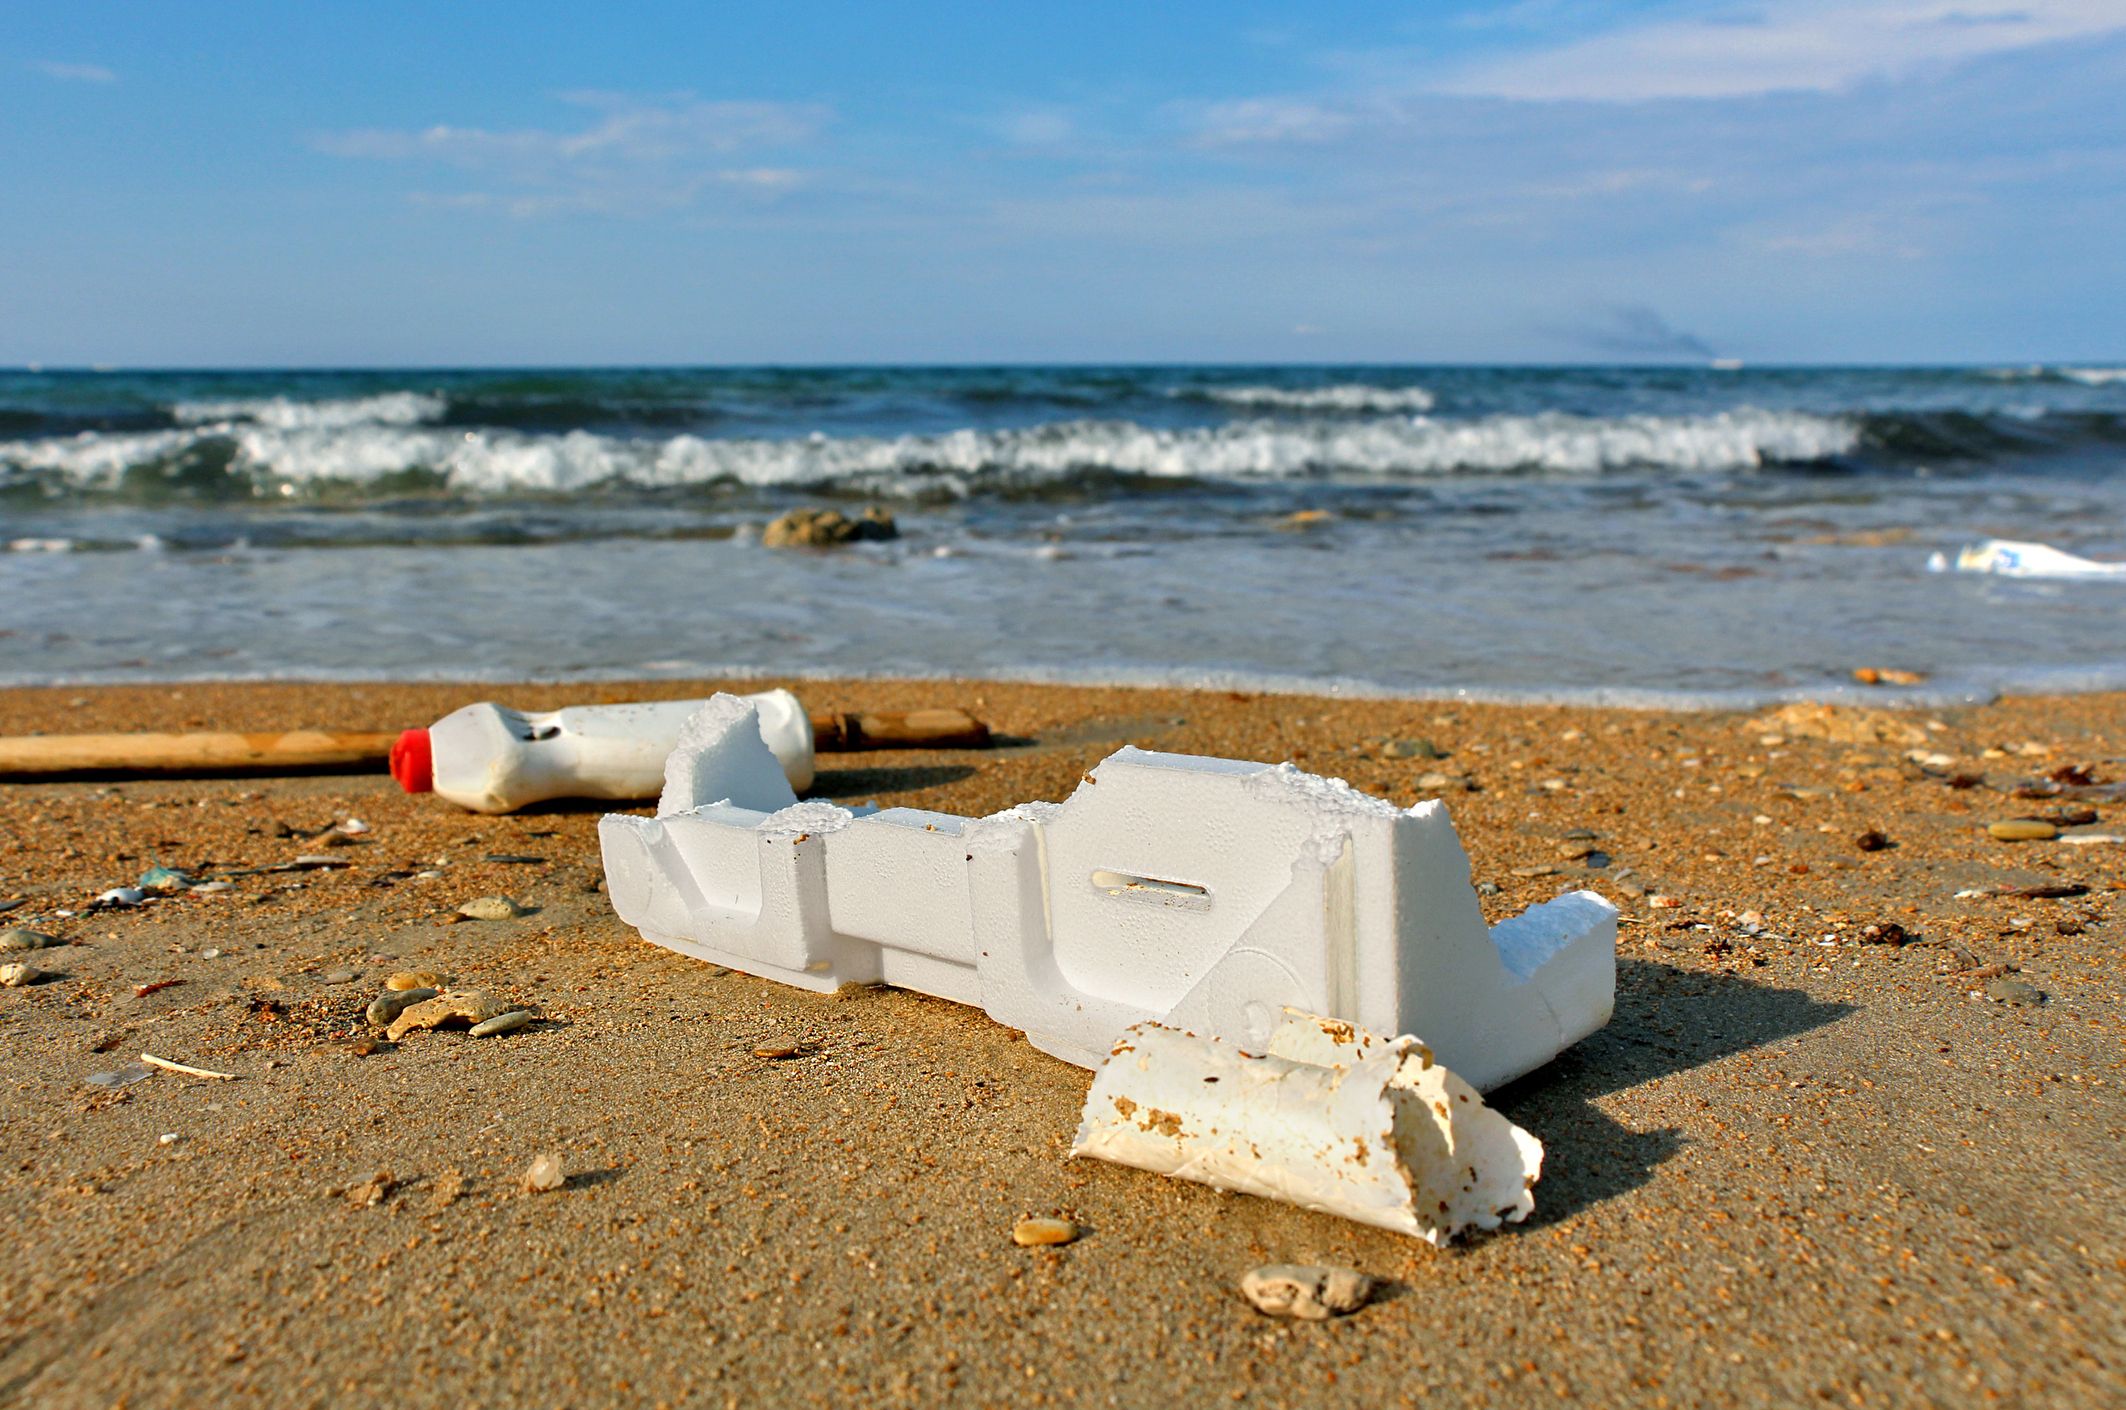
(1332, 1118)
(1204, 893)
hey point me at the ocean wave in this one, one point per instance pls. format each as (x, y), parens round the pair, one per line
(2039, 372)
(279, 460)
(335, 413)
(1351, 397)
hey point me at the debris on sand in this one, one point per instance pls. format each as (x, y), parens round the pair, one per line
(1308, 1292)
(452, 1008)
(544, 1174)
(1044, 1233)
(1332, 1118)
(493, 908)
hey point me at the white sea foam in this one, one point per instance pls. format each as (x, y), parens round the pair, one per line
(2087, 376)
(494, 461)
(1350, 396)
(283, 414)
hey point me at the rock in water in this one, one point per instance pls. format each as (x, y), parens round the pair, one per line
(544, 1174)
(492, 908)
(828, 528)
(1310, 1292)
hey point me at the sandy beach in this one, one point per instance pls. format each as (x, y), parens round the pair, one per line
(1803, 1164)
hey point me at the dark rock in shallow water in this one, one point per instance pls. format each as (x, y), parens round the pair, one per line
(828, 528)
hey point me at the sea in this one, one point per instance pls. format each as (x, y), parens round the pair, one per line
(1707, 535)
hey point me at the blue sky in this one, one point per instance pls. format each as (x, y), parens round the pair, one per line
(1550, 180)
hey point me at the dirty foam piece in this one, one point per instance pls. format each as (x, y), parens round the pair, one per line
(1332, 1119)
(2010, 558)
(1205, 893)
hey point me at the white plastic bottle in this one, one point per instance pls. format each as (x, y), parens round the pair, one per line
(492, 759)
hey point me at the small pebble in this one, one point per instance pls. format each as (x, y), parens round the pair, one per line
(2016, 992)
(1308, 1292)
(16, 938)
(385, 1008)
(775, 1052)
(2023, 830)
(338, 976)
(415, 979)
(448, 1186)
(502, 1023)
(544, 1174)
(1535, 871)
(373, 1191)
(1411, 749)
(1043, 1233)
(167, 1138)
(14, 976)
(210, 953)
(492, 908)
(213, 888)
(1871, 841)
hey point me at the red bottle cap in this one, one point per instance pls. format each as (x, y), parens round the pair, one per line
(413, 762)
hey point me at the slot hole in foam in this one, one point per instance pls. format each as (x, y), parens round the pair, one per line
(1151, 890)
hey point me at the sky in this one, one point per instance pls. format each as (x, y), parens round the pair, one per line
(387, 184)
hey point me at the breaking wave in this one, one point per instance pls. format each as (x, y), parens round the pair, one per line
(264, 455)
(1352, 397)
(2086, 376)
(286, 414)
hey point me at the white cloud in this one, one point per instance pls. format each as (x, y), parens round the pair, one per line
(1797, 45)
(74, 73)
(637, 155)
(1249, 121)
(1865, 235)
(1038, 127)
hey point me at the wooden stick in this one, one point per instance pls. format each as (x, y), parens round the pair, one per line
(192, 753)
(349, 752)
(834, 732)
(168, 1066)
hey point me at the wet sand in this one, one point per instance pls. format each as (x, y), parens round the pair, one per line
(1800, 1165)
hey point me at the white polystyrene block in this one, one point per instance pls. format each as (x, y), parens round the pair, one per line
(1210, 894)
(722, 757)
